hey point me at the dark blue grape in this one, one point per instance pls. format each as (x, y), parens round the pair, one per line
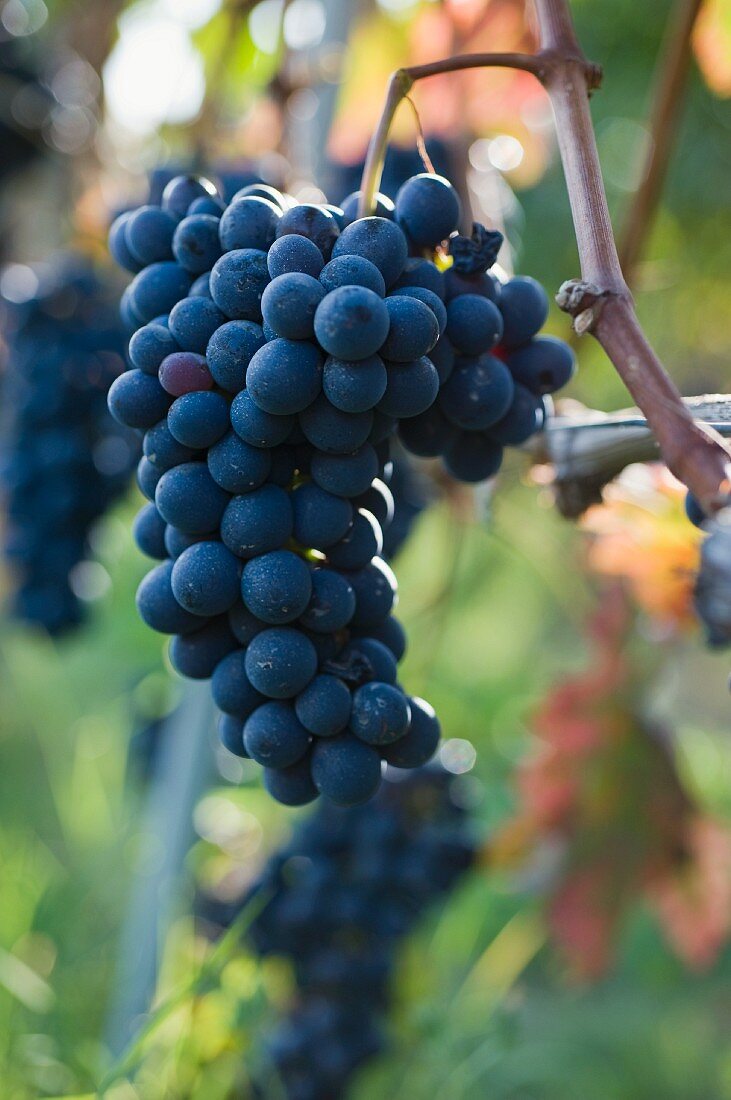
(207, 204)
(118, 244)
(413, 329)
(332, 602)
(177, 541)
(157, 288)
(231, 688)
(201, 287)
(320, 518)
(378, 240)
(427, 209)
(149, 532)
(274, 736)
(147, 478)
(313, 222)
(264, 191)
(163, 450)
(157, 605)
(294, 253)
(351, 322)
(289, 303)
(337, 212)
(238, 280)
(345, 475)
(349, 206)
(193, 321)
(291, 786)
(474, 324)
(237, 466)
(352, 271)
(229, 352)
(323, 707)
(461, 282)
(427, 435)
(419, 272)
(412, 388)
(205, 579)
(378, 500)
(380, 714)
(391, 633)
(181, 191)
(362, 660)
(149, 346)
(148, 234)
(280, 662)
(256, 427)
(137, 400)
(196, 246)
(383, 427)
(249, 222)
(354, 386)
(196, 655)
(473, 456)
(198, 420)
(188, 498)
(244, 625)
(257, 522)
(333, 431)
(363, 541)
(129, 316)
(442, 356)
(345, 770)
(375, 593)
(544, 365)
(430, 299)
(285, 376)
(522, 420)
(478, 393)
(524, 308)
(276, 587)
(420, 743)
(231, 734)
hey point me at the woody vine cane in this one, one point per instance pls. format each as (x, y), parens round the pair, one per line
(599, 302)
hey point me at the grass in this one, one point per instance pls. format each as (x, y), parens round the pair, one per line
(490, 1012)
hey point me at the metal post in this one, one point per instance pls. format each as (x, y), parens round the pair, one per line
(183, 768)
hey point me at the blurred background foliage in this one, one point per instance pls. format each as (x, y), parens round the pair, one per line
(588, 953)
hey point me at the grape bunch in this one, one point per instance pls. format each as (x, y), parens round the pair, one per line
(277, 349)
(339, 898)
(65, 459)
(495, 371)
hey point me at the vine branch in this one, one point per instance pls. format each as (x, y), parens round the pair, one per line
(600, 302)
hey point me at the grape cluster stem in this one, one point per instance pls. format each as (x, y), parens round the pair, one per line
(600, 303)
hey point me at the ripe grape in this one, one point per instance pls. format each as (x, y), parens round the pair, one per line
(427, 209)
(196, 244)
